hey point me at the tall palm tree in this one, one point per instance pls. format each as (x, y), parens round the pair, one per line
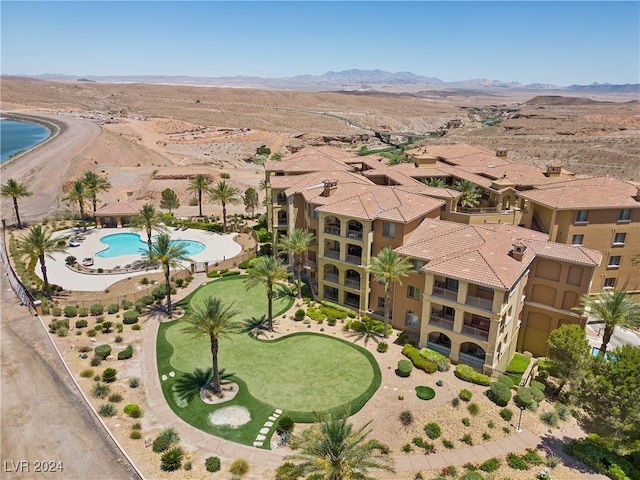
(297, 243)
(94, 184)
(615, 309)
(169, 255)
(39, 244)
(332, 450)
(199, 184)
(148, 220)
(388, 267)
(224, 193)
(15, 191)
(267, 271)
(215, 320)
(78, 194)
(470, 195)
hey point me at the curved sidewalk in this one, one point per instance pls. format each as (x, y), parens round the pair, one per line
(274, 458)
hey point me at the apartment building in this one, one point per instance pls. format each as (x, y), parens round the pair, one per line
(483, 287)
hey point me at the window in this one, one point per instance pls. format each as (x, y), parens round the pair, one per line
(624, 215)
(388, 230)
(581, 216)
(609, 283)
(411, 320)
(577, 240)
(413, 292)
(614, 261)
(417, 265)
(619, 238)
(380, 302)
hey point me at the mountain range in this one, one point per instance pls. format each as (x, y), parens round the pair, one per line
(354, 79)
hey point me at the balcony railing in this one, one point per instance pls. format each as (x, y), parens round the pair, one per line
(352, 283)
(483, 303)
(475, 332)
(332, 230)
(481, 210)
(352, 302)
(332, 277)
(332, 254)
(354, 234)
(443, 349)
(355, 259)
(331, 297)
(471, 360)
(443, 322)
(282, 222)
(445, 293)
(281, 200)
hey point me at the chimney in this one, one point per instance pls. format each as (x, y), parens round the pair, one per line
(553, 170)
(422, 159)
(518, 251)
(501, 152)
(330, 186)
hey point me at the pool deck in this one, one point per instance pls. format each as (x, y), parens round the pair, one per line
(218, 248)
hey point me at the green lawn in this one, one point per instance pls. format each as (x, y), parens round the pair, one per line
(300, 373)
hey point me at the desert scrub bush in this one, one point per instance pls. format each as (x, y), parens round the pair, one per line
(62, 332)
(70, 311)
(473, 408)
(87, 373)
(486, 436)
(105, 327)
(490, 465)
(81, 323)
(382, 347)
(299, 315)
(136, 426)
(165, 439)
(467, 439)
(102, 351)
(118, 339)
(468, 374)
(432, 430)
(499, 393)
(127, 304)
(491, 424)
(134, 382)
(404, 368)
(113, 308)
(133, 410)
(109, 375)
(455, 402)
(129, 317)
(56, 311)
(99, 319)
(100, 390)
(107, 410)
(212, 464)
(532, 458)
(91, 333)
(135, 327)
(172, 459)
(135, 434)
(115, 398)
(517, 462)
(506, 414)
(96, 360)
(96, 309)
(407, 448)
(448, 444)
(83, 312)
(466, 422)
(406, 418)
(465, 395)
(549, 418)
(563, 411)
(126, 353)
(239, 467)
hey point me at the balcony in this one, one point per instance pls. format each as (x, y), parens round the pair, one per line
(443, 349)
(332, 230)
(352, 283)
(331, 277)
(354, 259)
(335, 254)
(482, 303)
(442, 322)
(445, 293)
(472, 360)
(355, 234)
(352, 302)
(332, 297)
(475, 332)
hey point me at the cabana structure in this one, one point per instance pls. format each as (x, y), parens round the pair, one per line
(115, 215)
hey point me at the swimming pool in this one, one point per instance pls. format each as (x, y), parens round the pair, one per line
(120, 244)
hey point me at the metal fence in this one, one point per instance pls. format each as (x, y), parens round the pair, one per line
(20, 290)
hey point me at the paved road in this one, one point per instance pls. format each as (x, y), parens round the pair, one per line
(43, 417)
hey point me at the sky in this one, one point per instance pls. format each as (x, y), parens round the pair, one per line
(549, 42)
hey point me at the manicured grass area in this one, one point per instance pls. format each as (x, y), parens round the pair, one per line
(301, 373)
(517, 366)
(425, 393)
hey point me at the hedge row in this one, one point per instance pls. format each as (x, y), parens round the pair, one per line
(413, 354)
(440, 360)
(468, 374)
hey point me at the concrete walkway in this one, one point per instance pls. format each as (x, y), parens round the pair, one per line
(273, 458)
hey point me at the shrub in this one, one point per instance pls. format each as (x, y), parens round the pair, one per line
(404, 368)
(113, 308)
(467, 439)
(87, 373)
(443, 363)
(466, 422)
(490, 465)
(597, 453)
(499, 393)
(81, 323)
(62, 332)
(468, 374)
(135, 434)
(517, 462)
(550, 418)
(532, 457)
(285, 424)
(506, 379)
(100, 390)
(473, 408)
(299, 315)
(99, 319)
(425, 393)
(109, 375)
(70, 311)
(432, 430)
(448, 444)
(133, 410)
(491, 424)
(97, 309)
(129, 317)
(239, 467)
(524, 397)
(135, 327)
(83, 312)
(506, 414)
(406, 418)
(455, 401)
(538, 395)
(465, 395)
(563, 411)
(486, 436)
(127, 304)
(418, 360)
(136, 426)
(407, 448)
(212, 464)
(56, 311)
(96, 360)
(126, 353)
(107, 410)
(539, 385)
(103, 351)
(382, 347)
(118, 339)
(134, 382)
(115, 398)
(172, 460)
(106, 327)
(160, 444)
(471, 476)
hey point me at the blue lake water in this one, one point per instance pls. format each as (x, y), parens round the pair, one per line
(120, 244)
(16, 137)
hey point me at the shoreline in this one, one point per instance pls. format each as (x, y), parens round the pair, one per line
(55, 128)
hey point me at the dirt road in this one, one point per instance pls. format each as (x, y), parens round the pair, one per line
(47, 429)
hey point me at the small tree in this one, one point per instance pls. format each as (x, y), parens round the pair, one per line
(169, 200)
(251, 200)
(568, 353)
(15, 190)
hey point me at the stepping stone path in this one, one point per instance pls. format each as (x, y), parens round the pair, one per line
(262, 436)
(171, 374)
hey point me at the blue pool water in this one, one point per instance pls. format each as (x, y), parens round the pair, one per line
(120, 244)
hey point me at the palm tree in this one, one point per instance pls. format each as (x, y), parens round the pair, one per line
(39, 244)
(15, 190)
(470, 196)
(215, 320)
(267, 271)
(615, 309)
(332, 450)
(388, 267)
(224, 193)
(169, 255)
(199, 184)
(435, 182)
(148, 220)
(94, 184)
(78, 194)
(297, 243)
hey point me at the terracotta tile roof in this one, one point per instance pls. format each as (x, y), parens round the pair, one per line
(594, 193)
(312, 159)
(117, 208)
